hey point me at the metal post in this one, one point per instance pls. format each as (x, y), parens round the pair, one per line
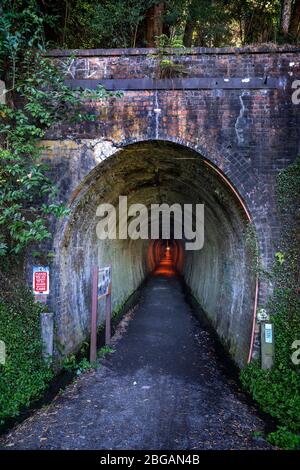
(93, 346)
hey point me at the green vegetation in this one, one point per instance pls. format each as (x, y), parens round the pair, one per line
(135, 23)
(72, 364)
(278, 390)
(104, 351)
(284, 439)
(37, 98)
(168, 67)
(24, 375)
(252, 248)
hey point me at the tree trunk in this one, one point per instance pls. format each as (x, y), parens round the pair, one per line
(199, 40)
(188, 32)
(191, 22)
(286, 13)
(154, 23)
(295, 21)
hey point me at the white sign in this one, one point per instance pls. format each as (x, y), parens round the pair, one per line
(262, 315)
(40, 280)
(268, 333)
(104, 281)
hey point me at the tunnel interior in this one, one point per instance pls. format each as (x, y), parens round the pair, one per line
(219, 275)
(168, 257)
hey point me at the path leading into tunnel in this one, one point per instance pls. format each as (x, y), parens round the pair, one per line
(162, 388)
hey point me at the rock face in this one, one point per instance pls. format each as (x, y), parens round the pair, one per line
(220, 144)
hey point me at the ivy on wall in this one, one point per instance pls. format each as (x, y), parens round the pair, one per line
(24, 375)
(278, 390)
(36, 99)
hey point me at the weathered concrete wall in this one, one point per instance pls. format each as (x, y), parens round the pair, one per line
(248, 133)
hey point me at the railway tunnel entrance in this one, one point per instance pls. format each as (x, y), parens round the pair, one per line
(219, 274)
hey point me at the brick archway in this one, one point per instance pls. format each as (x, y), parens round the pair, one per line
(76, 245)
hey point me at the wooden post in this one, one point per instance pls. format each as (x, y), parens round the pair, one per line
(93, 345)
(108, 320)
(108, 314)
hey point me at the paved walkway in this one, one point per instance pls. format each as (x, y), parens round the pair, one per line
(162, 388)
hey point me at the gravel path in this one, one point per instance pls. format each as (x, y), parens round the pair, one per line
(162, 388)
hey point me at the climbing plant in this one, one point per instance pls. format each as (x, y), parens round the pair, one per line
(278, 390)
(36, 99)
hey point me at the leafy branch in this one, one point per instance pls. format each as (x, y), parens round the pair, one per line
(37, 99)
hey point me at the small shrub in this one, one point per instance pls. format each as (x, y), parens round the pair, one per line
(73, 364)
(167, 67)
(104, 351)
(24, 375)
(285, 439)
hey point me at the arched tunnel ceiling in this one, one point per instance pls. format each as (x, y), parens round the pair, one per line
(158, 172)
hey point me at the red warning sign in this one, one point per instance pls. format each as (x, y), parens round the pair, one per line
(40, 280)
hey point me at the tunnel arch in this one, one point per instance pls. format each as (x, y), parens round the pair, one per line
(157, 171)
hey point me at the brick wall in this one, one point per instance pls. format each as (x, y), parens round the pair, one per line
(249, 133)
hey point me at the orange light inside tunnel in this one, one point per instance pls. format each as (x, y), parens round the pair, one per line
(165, 260)
(166, 267)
